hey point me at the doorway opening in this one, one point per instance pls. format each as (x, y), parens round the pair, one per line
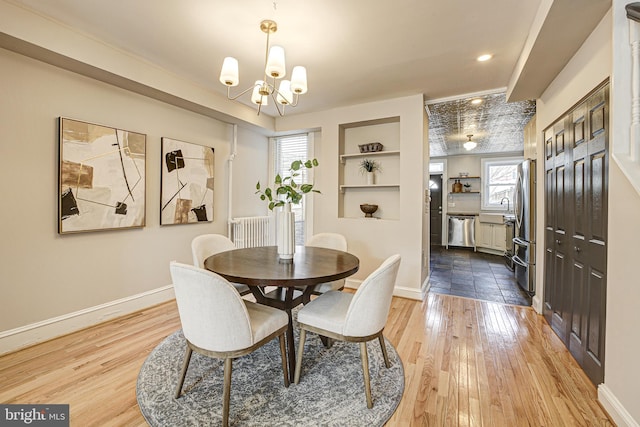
(437, 210)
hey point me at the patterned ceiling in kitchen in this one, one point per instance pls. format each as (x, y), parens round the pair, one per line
(497, 126)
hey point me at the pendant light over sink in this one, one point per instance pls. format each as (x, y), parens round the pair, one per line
(470, 145)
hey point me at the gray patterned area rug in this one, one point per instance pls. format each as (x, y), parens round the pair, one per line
(330, 392)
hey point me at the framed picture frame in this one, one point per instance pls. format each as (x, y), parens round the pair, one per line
(102, 177)
(187, 179)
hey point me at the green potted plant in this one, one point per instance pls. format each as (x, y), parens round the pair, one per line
(286, 190)
(368, 167)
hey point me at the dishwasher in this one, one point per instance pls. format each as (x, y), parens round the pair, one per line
(461, 231)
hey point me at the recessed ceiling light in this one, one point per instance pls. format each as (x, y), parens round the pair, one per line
(485, 57)
(476, 101)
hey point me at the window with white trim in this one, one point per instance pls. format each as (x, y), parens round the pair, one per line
(499, 177)
(286, 150)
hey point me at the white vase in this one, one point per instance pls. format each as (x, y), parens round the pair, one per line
(286, 238)
(371, 178)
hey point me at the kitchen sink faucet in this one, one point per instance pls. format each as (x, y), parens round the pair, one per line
(502, 202)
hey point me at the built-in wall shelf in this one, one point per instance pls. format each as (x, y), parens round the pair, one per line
(352, 184)
(343, 157)
(464, 177)
(344, 187)
(465, 192)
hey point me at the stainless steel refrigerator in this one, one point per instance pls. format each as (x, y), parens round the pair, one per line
(524, 239)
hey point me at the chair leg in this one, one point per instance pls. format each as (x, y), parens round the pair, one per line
(365, 373)
(226, 391)
(384, 351)
(283, 355)
(183, 373)
(303, 336)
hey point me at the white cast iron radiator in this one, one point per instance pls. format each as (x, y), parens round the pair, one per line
(249, 232)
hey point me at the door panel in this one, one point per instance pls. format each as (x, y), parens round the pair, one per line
(578, 289)
(576, 186)
(598, 197)
(435, 209)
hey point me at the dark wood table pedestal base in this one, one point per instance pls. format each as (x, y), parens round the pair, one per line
(260, 267)
(285, 299)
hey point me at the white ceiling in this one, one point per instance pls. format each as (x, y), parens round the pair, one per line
(355, 50)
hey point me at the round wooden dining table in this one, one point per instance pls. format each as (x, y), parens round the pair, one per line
(260, 267)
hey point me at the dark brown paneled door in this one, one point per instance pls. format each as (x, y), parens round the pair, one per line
(589, 235)
(557, 188)
(576, 233)
(435, 209)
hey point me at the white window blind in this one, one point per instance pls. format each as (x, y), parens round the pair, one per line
(287, 150)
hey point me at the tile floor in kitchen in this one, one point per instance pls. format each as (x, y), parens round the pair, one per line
(465, 273)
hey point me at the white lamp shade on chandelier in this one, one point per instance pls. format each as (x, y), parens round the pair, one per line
(299, 80)
(275, 64)
(257, 97)
(285, 96)
(229, 74)
(287, 91)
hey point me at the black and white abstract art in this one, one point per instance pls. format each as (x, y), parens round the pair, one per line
(101, 177)
(187, 182)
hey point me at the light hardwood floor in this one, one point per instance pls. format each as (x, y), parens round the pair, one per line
(466, 362)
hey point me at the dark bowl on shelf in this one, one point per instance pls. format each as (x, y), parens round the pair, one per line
(368, 209)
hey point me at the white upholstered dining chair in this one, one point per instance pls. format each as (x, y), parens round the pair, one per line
(218, 323)
(358, 317)
(205, 245)
(329, 241)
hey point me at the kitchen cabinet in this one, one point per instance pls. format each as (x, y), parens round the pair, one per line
(530, 139)
(491, 237)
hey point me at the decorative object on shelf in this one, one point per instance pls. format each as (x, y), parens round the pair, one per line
(457, 186)
(101, 177)
(371, 147)
(368, 167)
(467, 187)
(288, 91)
(470, 145)
(464, 174)
(368, 210)
(285, 192)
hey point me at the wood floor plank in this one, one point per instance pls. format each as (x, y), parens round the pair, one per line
(466, 362)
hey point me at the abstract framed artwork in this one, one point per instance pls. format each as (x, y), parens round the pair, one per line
(188, 172)
(101, 177)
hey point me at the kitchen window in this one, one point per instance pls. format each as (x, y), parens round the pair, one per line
(498, 182)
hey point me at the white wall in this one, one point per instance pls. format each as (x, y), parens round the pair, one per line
(46, 275)
(591, 65)
(374, 241)
(622, 375)
(250, 166)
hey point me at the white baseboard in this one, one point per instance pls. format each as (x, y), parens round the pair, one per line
(24, 336)
(398, 291)
(616, 411)
(352, 283)
(536, 303)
